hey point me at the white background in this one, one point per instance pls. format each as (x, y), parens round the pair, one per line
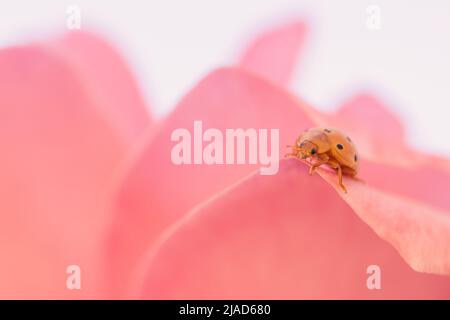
(172, 44)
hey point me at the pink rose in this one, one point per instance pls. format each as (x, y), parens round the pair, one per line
(87, 180)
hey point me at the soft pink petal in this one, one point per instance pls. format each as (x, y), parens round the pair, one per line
(60, 146)
(274, 54)
(107, 78)
(379, 134)
(380, 137)
(288, 236)
(420, 232)
(423, 182)
(365, 114)
(156, 192)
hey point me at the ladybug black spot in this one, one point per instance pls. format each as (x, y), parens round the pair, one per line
(340, 146)
(313, 151)
(327, 130)
(356, 158)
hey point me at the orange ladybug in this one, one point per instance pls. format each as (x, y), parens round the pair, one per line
(330, 147)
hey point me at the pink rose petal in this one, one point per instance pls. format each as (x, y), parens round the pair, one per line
(287, 236)
(106, 76)
(365, 114)
(156, 192)
(60, 147)
(378, 133)
(417, 176)
(424, 182)
(274, 54)
(420, 232)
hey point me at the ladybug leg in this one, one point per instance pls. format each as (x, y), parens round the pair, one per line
(291, 155)
(337, 166)
(322, 159)
(339, 169)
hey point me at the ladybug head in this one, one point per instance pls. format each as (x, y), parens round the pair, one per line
(306, 149)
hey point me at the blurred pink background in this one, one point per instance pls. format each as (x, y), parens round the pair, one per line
(171, 44)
